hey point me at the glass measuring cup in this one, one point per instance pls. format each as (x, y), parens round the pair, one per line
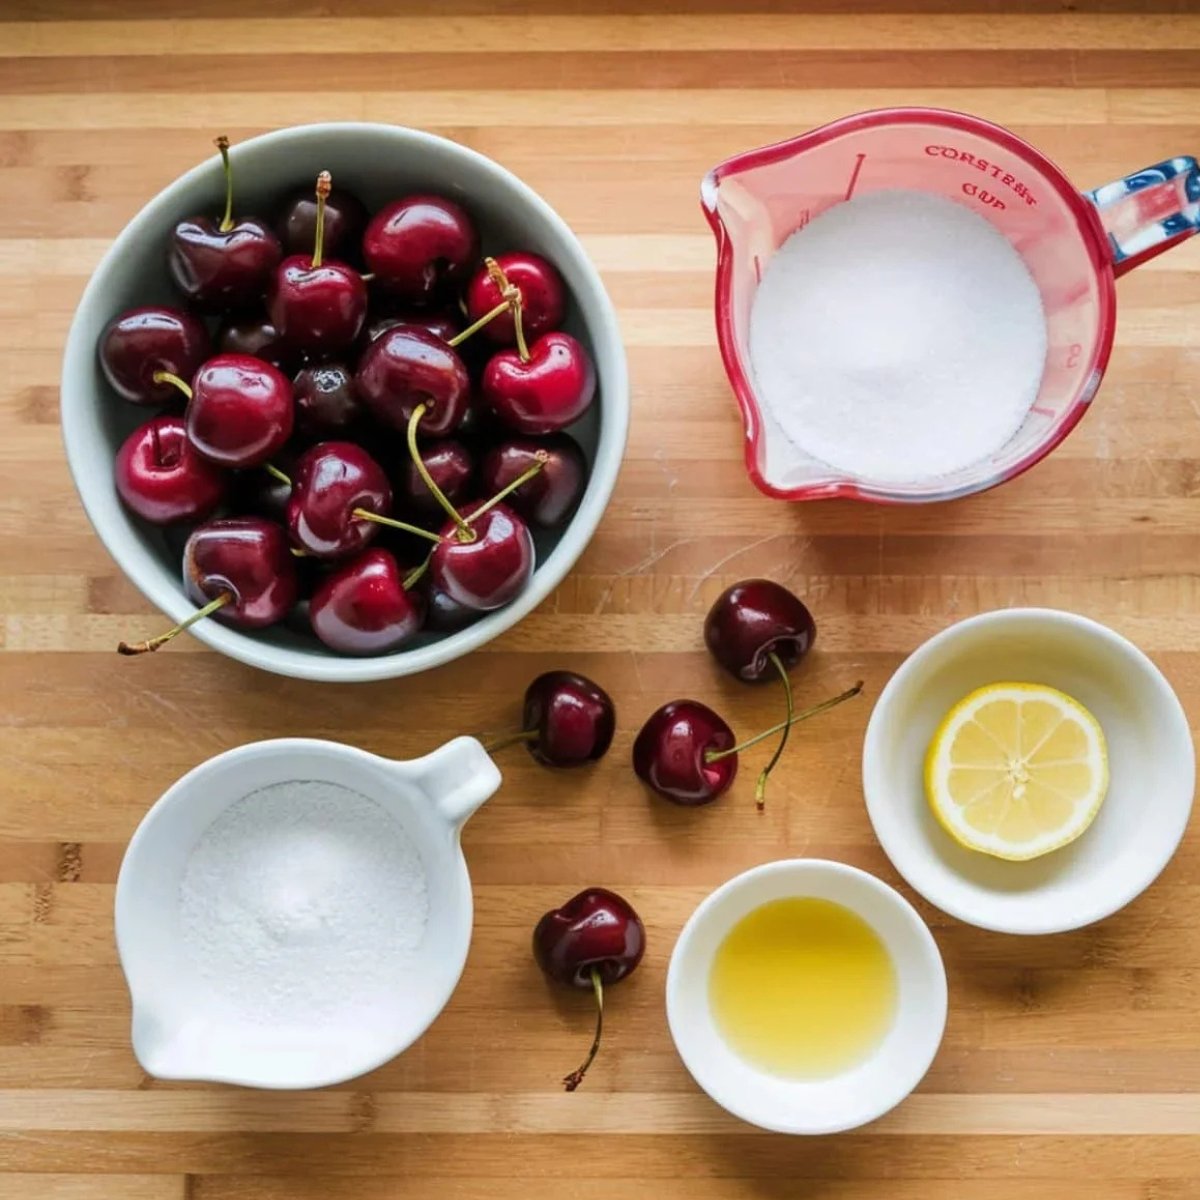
(1074, 244)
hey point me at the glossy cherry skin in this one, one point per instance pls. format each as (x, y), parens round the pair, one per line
(421, 246)
(405, 367)
(362, 607)
(443, 615)
(549, 497)
(142, 341)
(549, 392)
(574, 719)
(489, 571)
(453, 468)
(669, 751)
(594, 929)
(222, 270)
(160, 476)
(543, 298)
(319, 310)
(330, 481)
(241, 410)
(247, 557)
(345, 220)
(441, 325)
(752, 620)
(327, 403)
(257, 337)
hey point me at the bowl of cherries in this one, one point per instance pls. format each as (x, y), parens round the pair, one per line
(346, 401)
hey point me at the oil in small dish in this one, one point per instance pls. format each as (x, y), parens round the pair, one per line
(802, 988)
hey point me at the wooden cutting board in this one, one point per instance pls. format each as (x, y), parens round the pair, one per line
(1071, 1064)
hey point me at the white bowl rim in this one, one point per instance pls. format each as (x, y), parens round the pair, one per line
(931, 959)
(299, 664)
(874, 788)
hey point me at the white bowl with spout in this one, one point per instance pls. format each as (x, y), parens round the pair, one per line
(179, 1031)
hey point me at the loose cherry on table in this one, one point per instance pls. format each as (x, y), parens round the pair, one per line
(339, 497)
(327, 403)
(593, 941)
(225, 264)
(257, 337)
(543, 390)
(758, 630)
(406, 368)
(688, 754)
(365, 607)
(568, 720)
(421, 247)
(160, 476)
(239, 409)
(542, 298)
(452, 468)
(140, 345)
(548, 498)
(345, 220)
(318, 306)
(240, 570)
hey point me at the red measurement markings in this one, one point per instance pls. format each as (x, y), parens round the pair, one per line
(1044, 412)
(854, 175)
(1074, 350)
(757, 270)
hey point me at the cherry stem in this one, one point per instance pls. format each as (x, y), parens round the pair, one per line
(509, 739)
(417, 573)
(713, 756)
(512, 297)
(572, 1081)
(152, 644)
(276, 473)
(760, 788)
(324, 186)
(392, 523)
(222, 144)
(459, 338)
(465, 532)
(525, 476)
(174, 381)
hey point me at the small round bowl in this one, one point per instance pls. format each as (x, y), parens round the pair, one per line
(853, 1097)
(380, 163)
(1151, 763)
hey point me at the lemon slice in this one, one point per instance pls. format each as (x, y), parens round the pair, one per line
(1016, 770)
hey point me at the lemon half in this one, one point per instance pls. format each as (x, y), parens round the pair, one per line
(1016, 770)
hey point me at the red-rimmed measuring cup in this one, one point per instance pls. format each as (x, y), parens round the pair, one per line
(1075, 245)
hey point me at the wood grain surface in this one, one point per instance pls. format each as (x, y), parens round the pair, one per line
(1071, 1064)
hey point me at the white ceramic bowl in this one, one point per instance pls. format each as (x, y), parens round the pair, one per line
(379, 162)
(1151, 761)
(844, 1101)
(180, 1028)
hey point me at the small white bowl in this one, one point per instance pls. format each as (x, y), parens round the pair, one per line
(853, 1097)
(379, 162)
(1151, 762)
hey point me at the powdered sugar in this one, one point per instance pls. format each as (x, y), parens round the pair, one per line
(303, 902)
(897, 337)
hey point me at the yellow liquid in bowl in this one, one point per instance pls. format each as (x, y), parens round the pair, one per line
(802, 988)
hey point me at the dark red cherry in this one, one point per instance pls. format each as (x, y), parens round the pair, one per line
(363, 607)
(144, 341)
(572, 718)
(544, 394)
(332, 482)
(441, 325)
(487, 571)
(257, 337)
(327, 404)
(240, 412)
(671, 754)
(452, 467)
(345, 220)
(547, 499)
(160, 476)
(752, 620)
(420, 247)
(543, 298)
(406, 367)
(443, 615)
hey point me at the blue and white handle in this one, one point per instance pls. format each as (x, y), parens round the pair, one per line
(1150, 211)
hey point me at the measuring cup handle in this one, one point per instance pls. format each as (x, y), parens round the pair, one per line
(1149, 211)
